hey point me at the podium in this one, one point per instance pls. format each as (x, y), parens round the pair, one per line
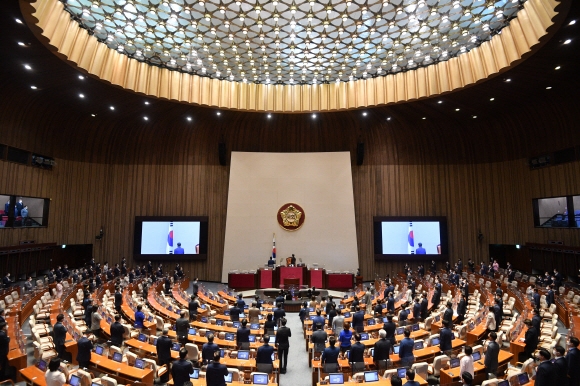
(292, 273)
(317, 277)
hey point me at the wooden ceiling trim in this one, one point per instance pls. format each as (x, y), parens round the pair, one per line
(496, 55)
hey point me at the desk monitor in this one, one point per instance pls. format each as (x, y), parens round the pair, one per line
(385, 320)
(236, 324)
(402, 372)
(505, 382)
(471, 326)
(336, 378)
(255, 326)
(371, 322)
(74, 380)
(400, 331)
(219, 322)
(372, 352)
(415, 327)
(95, 384)
(310, 309)
(170, 308)
(229, 336)
(246, 307)
(347, 314)
(312, 317)
(41, 365)
(204, 319)
(252, 338)
(453, 363)
(476, 356)
(176, 347)
(260, 317)
(364, 336)
(142, 338)
(435, 341)
(243, 355)
(155, 341)
(260, 379)
(438, 318)
(192, 331)
(227, 312)
(228, 378)
(523, 379)
(194, 374)
(222, 352)
(371, 376)
(341, 306)
(478, 320)
(139, 363)
(110, 320)
(273, 356)
(203, 306)
(396, 349)
(99, 349)
(150, 318)
(117, 357)
(272, 339)
(418, 345)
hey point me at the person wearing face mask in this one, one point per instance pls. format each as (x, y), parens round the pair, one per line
(546, 371)
(560, 365)
(573, 359)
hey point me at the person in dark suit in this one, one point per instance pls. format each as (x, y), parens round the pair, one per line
(573, 359)
(558, 278)
(546, 371)
(283, 344)
(192, 307)
(491, 355)
(331, 314)
(163, 347)
(181, 368)
(416, 310)
(403, 315)
(6, 282)
(279, 313)
(235, 313)
(536, 319)
(536, 298)
(390, 327)
(406, 350)
(436, 295)
(446, 339)
(85, 347)
(497, 313)
(118, 300)
(264, 355)
(4, 349)
(424, 306)
(550, 296)
(330, 353)
(216, 372)
(433, 267)
(318, 338)
(461, 309)
(382, 348)
(240, 302)
(318, 321)
(208, 349)
(357, 351)
(243, 336)
(410, 375)
(391, 303)
(59, 336)
(270, 324)
(117, 331)
(561, 366)
(271, 261)
(358, 320)
(182, 328)
(293, 260)
(531, 340)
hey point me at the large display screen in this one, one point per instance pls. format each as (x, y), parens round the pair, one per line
(413, 238)
(170, 237)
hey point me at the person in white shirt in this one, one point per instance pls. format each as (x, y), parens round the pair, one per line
(53, 376)
(466, 363)
(490, 321)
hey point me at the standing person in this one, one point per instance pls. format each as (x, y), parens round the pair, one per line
(28, 285)
(265, 351)
(406, 350)
(448, 314)
(283, 345)
(243, 336)
(254, 313)
(331, 314)
(358, 320)
(96, 322)
(338, 322)
(546, 371)
(446, 338)
(390, 328)
(345, 337)
(181, 368)
(4, 349)
(390, 304)
(118, 300)
(192, 307)
(330, 355)
(117, 331)
(416, 311)
(318, 320)
(59, 335)
(573, 359)
(85, 347)
(368, 301)
(436, 295)
(424, 306)
(139, 317)
(59, 289)
(491, 356)
(279, 313)
(318, 339)
(561, 366)
(216, 372)
(382, 349)
(163, 347)
(53, 377)
(208, 349)
(461, 309)
(304, 313)
(531, 340)
(357, 352)
(466, 363)
(182, 328)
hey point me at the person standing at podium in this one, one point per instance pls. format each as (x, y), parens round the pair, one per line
(293, 261)
(271, 262)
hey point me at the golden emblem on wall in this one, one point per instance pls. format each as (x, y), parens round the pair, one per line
(291, 217)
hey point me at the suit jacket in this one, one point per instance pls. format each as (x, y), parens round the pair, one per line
(498, 313)
(282, 336)
(406, 348)
(4, 344)
(235, 314)
(357, 352)
(573, 358)
(536, 297)
(163, 345)
(330, 355)
(446, 339)
(491, 356)
(424, 308)
(118, 299)
(117, 332)
(192, 307)
(181, 327)
(545, 374)
(531, 340)
(390, 328)
(537, 322)
(215, 373)
(461, 308)
(280, 313)
(391, 304)
(319, 339)
(85, 346)
(382, 350)
(243, 335)
(550, 297)
(59, 332)
(448, 315)
(265, 354)
(561, 367)
(181, 369)
(207, 351)
(358, 319)
(417, 310)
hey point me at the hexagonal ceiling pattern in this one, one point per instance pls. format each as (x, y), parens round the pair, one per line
(292, 41)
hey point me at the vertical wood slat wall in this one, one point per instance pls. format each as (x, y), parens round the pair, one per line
(494, 198)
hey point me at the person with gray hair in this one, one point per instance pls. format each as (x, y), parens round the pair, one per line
(382, 350)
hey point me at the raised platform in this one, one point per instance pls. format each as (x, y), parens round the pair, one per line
(290, 305)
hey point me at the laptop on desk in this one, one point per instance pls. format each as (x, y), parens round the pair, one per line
(139, 363)
(371, 376)
(336, 378)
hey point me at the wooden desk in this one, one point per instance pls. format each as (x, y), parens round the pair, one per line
(121, 370)
(516, 346)
(33, 375)
(147, 348)
(452, 375)
(386, 381)
(436, 326)
(476, 334)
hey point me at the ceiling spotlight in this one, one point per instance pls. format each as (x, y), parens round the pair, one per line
(567, 41)
(145, 118)
(218, 113)
(440, 102)
(475, 116)
(365, 114)
(549, 88)
(424, 117)
(456, 109)
(81, 77)
(18, 21)
(491, 99)
(93, 115)
(313, 115)
(508, 80)
(557, 68)
(81, 95)
(189, 118)
(33, 87)
(269, 116)
(388, 118)
(112, 107)
(27, 67)
(146, 102)
(21, 44)
(572, 22)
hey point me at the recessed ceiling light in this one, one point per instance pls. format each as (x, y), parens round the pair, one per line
(112, 107)
(18, 21)
(549, 88)
(456, 109)
(33, 87)
(81, 77)
(189, 118)
(508, 80)
(145, 118)
(572, 22)
(269, 116)
(492, 99)
(365, 114)
(218, 113)
(567, 41)
(424, 117)
(27, 67)
(81, 95)
(475, 116)
(146, 102)
(557, 68)
(388, 118)
(93, 115)
(313, 115)
(21, 44)
(440, 102)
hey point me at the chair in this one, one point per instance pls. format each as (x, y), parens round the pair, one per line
(357, 367)
(519, 368)
(390, 373)
(45, 354)
(430, 339)
(108, 381)
(161, 324)
(265, 368)
(237, 375)
(158, 371)
(87, 378)
(131, 357)
(427, 325)
(422, 369)
(490, 382)
(192, 352)
(439, 362)
(330, 367)
(114, 349)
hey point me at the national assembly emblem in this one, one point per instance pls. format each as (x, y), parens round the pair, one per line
(291, 217)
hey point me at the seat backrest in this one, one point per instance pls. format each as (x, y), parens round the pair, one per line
(430, 339)
(113, 349)
(131, 357)
(490, 382)
(390, 373)
(86, 377)
(439, 362)
(192, 351)
(159, 322)
(422, 369)
(150, 363)
(108, 381)
(264, 368)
